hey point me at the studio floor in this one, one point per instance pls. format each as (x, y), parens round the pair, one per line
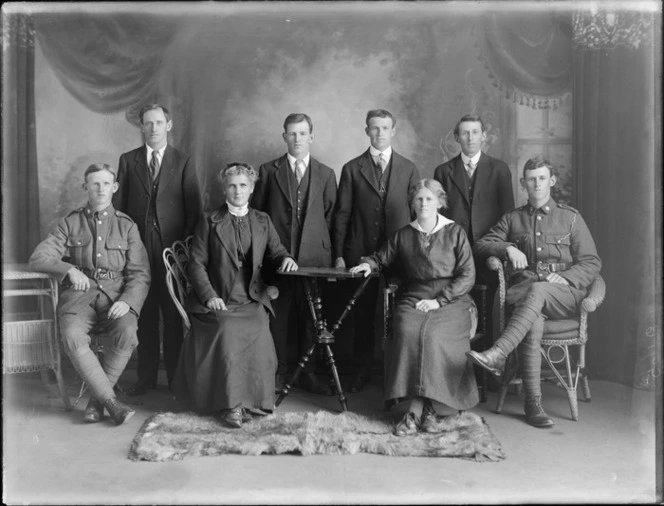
(51, 457)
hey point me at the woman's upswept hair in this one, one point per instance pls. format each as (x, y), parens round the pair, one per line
(432, 185)
(237, 169)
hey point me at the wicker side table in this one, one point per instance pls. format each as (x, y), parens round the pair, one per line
(30, 340)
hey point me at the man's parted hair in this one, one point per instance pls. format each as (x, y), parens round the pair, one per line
(432, 185)
(469, 118)
(152, 107)
(98, 167)
(238, 169)
(538, 162)
(298, 117)
(380, 113)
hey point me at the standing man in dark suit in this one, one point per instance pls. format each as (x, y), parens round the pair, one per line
(371, 206)
(478, 187)
(159, 190)
(298, 193)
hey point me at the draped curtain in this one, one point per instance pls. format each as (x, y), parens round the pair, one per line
(607, 59)
(20, 185)
(109, 63)
(617, 150)
(529, 56)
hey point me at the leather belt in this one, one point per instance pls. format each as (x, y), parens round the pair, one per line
(101, 274)
(543, 269)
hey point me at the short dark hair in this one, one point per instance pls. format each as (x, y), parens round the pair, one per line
(380, 113)
(432, 185)
(237, 169)
(298, 117)
(468, 118)
(152, 107)
(98, 167)
(538, 162)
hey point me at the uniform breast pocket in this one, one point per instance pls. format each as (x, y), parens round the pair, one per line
(523, 244)
(558, 245)
(79, 249)
(116, 253)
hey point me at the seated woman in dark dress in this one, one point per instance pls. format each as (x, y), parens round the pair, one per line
(228, 360)
(434, 315)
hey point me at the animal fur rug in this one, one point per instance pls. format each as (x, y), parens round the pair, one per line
(174, 436)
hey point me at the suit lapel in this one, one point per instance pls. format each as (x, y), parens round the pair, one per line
(315, 181)
(166, 169)
(396, 182)
(459, 177)
(367, 171)
(482, 174)
(141, 167)
(282, 177)
(226, 235)
(258, 233)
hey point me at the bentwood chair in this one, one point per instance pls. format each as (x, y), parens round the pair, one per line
(558, 337)
(176, 259)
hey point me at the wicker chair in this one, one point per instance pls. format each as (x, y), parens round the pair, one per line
(479, 331)
(176, 259)
(557, 338)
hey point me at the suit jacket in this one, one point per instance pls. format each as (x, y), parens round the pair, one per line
(71, 244)
(272, 196)
(213, 262)
(492, 194)
(178, 199)
(358, 206)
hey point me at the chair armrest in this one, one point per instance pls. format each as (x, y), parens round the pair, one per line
(494, 264)
(595, 295)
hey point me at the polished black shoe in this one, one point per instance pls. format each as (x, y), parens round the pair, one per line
(234, 417)
(119, 412)
(493, 360)
(141, 387)
(94, 412)
(360, 381)
(407, 426)
(309, 382)
(428, 420)
(535, 414)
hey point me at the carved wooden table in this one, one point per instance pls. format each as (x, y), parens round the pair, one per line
(324, 336)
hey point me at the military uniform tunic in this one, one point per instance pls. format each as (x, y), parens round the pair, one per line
(107, 247)
(554, 238)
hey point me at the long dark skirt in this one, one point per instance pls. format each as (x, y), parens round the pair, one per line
(426, 355)
(228, 360)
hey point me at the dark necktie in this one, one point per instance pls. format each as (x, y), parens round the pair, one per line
(154, 166)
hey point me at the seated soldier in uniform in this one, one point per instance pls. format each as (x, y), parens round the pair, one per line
(554, 259)
(105, 280)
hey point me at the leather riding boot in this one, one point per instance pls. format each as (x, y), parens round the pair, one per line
(119, 412)
(493, 359)
(535, 414)
(114, 363)
(94, 411)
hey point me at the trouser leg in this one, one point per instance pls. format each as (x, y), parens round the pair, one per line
(123, 334)
(74, 329)
(551, 299)
(148, 323)
(530, 359)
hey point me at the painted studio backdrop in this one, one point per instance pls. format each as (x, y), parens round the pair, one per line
(547, 82)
